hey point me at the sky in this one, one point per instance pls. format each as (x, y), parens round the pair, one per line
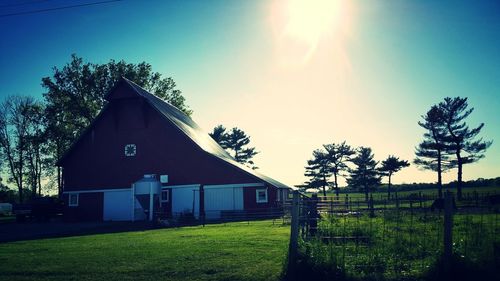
(293, 74)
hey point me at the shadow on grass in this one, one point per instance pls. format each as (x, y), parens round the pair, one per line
(317, 267)
(11, 232)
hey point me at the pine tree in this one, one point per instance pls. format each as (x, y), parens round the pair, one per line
(460, 139)
(318, 171)
(431, 153)
(338, 156)
(389, 167)
(365, 175)
(219, 135)
(236, 143)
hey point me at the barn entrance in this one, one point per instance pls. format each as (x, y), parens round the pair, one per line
(186, 200)
(117, 205)
(219, 199)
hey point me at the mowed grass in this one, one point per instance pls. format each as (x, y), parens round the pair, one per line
(233, 251)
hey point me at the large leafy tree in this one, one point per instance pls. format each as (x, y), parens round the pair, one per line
(460, 138)
(365, 174)
(338, 156)
(75, 95)
(17, 128)
(236, 142)
(318, 170)
(389, 167)
(37, 162)
(432, 153)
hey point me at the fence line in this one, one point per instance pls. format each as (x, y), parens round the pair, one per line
(399, 238)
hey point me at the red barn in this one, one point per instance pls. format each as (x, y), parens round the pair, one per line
(141, 154)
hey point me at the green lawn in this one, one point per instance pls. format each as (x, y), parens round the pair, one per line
(233, 251)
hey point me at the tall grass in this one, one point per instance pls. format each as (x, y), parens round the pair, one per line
(398, 245)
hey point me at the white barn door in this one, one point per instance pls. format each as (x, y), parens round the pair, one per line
(117, 206)
(222, 198)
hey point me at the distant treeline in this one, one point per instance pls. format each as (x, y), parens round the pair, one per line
(480, 182)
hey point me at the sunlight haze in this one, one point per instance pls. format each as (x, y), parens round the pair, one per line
(292, 74)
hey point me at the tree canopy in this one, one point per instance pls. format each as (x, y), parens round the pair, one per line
(76, 93)
(460, 138)
(319, 171)
(236, 142)
(338, 156)
(390, 166)
(432, 153)
(365, 174)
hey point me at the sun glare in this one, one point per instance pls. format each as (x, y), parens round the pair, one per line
(308, 20)
(303, 23)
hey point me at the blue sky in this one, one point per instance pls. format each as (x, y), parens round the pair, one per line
(293, 74)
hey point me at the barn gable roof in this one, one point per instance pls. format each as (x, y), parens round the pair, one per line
(187, 126)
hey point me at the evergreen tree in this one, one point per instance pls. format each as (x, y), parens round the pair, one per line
(431, 153)
(219, 135)
(338, 156)
(461, 140)
(236, 143)
(389, 167)
(318, 171)
(365, 174)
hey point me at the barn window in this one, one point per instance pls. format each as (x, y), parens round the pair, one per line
(261, 195)
(73, 199)
(164, 196)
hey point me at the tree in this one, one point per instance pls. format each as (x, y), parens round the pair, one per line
(219, 135)
(431, 153)
(235, 142)
(460, 138)
(338, 156)
(365, 174)
(75, 95)
(390, 166)
(318, 171)
(15, 124)
(36, 149)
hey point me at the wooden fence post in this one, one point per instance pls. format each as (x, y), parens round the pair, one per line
(294, 231)
(312, 217)
(448, 229)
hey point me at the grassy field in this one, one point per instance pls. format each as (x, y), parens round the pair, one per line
(233, 251)
(377, 195)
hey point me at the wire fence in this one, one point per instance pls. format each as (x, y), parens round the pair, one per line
(395, 239)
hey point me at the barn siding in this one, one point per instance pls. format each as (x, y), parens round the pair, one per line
(90, 207)
(99, 159)
(250, 202)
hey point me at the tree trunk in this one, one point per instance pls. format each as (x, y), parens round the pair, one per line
(59, 185)
(336, 185)
(439, 171)
(21, 147)
(389, 188)
(459, 175)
